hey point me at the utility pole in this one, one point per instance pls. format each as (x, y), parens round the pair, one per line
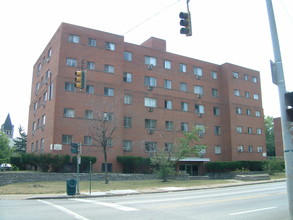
(279, 80)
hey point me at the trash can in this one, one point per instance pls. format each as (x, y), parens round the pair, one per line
(71, 187)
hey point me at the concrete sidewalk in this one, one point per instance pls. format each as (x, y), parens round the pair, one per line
(125, 192)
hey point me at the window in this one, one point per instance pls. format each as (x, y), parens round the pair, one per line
(217, 111)
(92, 42)
(235, 75)
(250, 148)
(127, 99)
(127, 77)
(150, 60)
(110, 46)
(49, 54)
(239, 129)
(71, 62)
(90, 89)
(197, 72)
(236, 92)
(199, 109)
(259, 131)
(150, 146)
(127, 122)
(109, 68)
(43, 120)
(127, 145)
(32, 147)
(150, 102)
(167, 84)
(201, 129)
(249, 130)
(109, 167)
(218, 149)
(184, 126)
(66, 139)
(150, 81)
(90, 65)
(87, 140)
(215, 92)
(127, 56)
(255, 96)
(240, 148)
(108, 92)
(259, 149)
(168, 147)
(184, 106)
(168, 104)
(39, 68)
(238, 111)
(69, 86)
(247, 95)
(217, 130)
(167, 64)
(42, 145)
(198, 90)
(48, 74)
(37, 145)
(89, 114)
(257, 113)
(254, 79)
(108, 116)
(245, 77)
(169, 125)
(68, 112)
(37, 87)
(248, 112)
(45, 97)
(182, 68)
(150, 124)
(214, 75)
(183, 87)
(73, 38)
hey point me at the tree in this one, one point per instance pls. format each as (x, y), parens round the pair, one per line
(20, 142)
(102, 130)
(164, 160)
(270, 136)
(5, 150)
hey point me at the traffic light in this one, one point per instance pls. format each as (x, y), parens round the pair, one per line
(80, 79)
(186, 23)
(75, 148)
(289, 104)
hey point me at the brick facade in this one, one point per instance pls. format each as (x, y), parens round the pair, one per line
(57, 110)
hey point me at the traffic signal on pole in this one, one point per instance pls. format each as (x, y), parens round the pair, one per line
(186, 23)
(75, 148)
(80, 79)
(289, 104)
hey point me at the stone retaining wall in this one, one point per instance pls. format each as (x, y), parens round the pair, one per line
(253, 177)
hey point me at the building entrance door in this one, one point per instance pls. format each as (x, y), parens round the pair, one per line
(191, 169)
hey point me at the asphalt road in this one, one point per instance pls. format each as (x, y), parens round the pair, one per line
(261, 201)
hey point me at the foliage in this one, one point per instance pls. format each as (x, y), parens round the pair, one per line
(228, 166)
(5, 150)
(165, 161)
(85, 162)
(132, 164)
(20, 142)
(273, 166)
(270, 136)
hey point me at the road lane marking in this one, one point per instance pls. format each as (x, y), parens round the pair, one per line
(255, 210)
(216, 201)
(107, 204)
(67, 211)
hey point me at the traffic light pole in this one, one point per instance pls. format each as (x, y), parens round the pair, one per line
(279, 80)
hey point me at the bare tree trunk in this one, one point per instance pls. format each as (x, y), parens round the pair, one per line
(106, 166)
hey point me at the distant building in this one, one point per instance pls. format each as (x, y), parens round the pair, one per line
(8, 129)
(152, 95)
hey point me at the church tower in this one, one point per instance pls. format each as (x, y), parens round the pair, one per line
(7, 127)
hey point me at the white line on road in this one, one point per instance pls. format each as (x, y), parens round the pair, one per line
(111, 205)
(67, 211)
(255, 210)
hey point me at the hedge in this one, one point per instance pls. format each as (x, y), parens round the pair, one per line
(228, 166)
(132, 164)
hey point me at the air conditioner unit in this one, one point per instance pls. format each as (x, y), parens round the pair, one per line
(201, 135)
(150, 88)
(150, 109)
(150, 131)
(126, 148)
(198, 77)
(150, 67)
(198, 96)
(200, 115)
(108, 47)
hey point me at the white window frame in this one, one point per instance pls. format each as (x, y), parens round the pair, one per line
(127, 77)
(73, 38)
(199, 109)
(68, 112)
(150, 102)
(150, 60)
(167, 84)
(182, 68)
(110, 46)
(167, 64)
(184, 106)
(128, 99)
(150, 81)
(109, 91)
(218, 149)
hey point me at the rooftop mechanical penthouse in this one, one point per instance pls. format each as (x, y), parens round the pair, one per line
(149, 94)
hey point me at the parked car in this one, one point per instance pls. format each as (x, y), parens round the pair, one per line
(5, 167)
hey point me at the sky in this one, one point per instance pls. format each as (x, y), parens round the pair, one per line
(233, 31)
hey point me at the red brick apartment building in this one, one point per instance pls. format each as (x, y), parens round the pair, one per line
(151, 95)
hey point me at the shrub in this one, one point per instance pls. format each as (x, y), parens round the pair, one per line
(228, 166)
(274, 166)
(133, 164)
(85, 163)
